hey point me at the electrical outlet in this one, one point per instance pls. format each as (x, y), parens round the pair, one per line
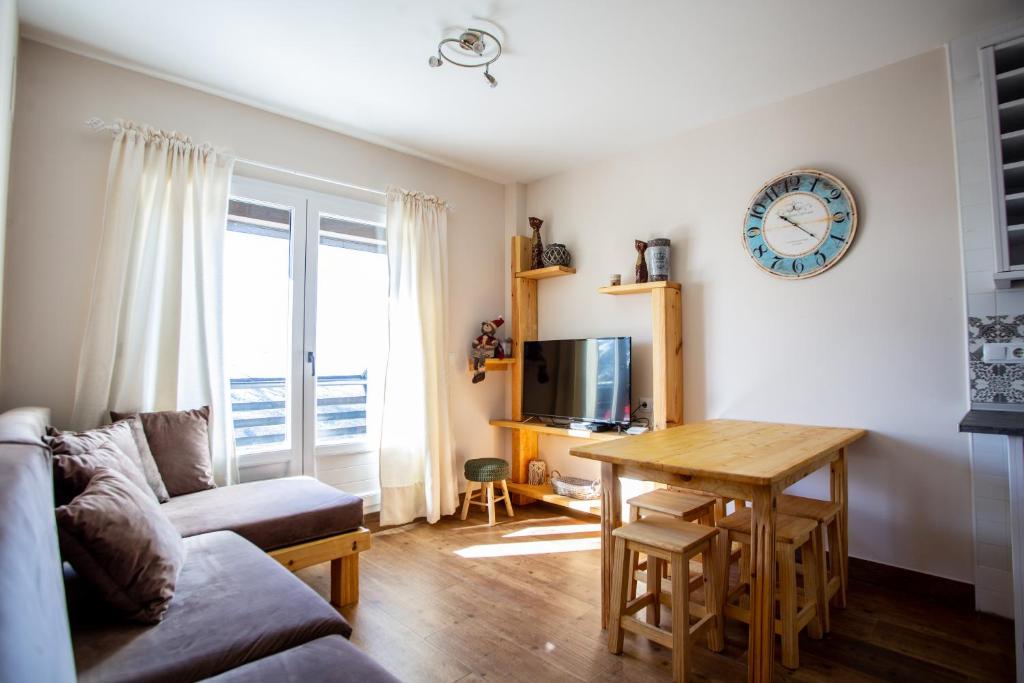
(1012, 352)
(644, 405)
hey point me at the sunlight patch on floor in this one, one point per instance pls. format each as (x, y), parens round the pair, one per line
(554, 530)
(568, 545)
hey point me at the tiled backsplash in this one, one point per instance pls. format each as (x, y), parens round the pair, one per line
(995, 382)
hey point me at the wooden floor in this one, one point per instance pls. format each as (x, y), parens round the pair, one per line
(458, 601)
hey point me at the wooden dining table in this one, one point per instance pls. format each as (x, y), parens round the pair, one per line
(744, 460)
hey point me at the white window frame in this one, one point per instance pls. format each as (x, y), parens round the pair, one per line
(307, 206)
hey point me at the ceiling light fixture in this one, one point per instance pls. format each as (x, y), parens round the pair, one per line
(473, 49)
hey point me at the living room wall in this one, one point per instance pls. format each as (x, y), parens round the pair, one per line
(8, 62)
(59, 172)
(878, 341)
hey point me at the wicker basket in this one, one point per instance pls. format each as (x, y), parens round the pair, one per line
(575, 487)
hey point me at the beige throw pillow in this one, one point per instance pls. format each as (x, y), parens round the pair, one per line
(180, 442)
(119, 540)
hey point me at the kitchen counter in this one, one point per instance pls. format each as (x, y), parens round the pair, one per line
(1005, 422)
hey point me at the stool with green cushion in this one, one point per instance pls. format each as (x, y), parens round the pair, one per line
(481, 475)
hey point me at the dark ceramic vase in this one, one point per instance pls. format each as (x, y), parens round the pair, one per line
(536, 246)
(641, 262)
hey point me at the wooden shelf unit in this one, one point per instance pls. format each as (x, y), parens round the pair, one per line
(545, 273)
(667, 353)
(551, 430)
(545, 493)
(494, 364)
(640, 288)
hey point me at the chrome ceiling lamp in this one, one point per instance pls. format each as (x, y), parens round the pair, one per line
(474, 48)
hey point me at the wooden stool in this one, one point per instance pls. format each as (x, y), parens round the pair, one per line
(689, 507)
(664, 539)
(483, 472)
(826, 514)
(796, 609)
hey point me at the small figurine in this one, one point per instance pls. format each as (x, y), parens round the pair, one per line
(536, 246)
(486, 346)
(641, 261)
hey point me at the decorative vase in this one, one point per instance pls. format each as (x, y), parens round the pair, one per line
(657, 257)
(556, 254)
(641, 262)
(536, 246)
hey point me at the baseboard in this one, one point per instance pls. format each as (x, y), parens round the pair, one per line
(958, 594)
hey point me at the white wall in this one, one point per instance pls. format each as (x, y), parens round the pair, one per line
(876, 342)
(58, 175)
(8, 64)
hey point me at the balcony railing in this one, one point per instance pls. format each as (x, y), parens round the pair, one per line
(260, 410)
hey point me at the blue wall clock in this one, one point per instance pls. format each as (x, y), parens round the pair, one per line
(800, 224)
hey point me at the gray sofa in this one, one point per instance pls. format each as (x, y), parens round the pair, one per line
(237, 614)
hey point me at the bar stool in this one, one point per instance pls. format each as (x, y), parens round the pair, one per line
(687, 506)
(664, 539)
(483, 472)
(797, 609)
(826, 514)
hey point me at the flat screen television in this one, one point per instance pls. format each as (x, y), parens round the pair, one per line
(578, 379)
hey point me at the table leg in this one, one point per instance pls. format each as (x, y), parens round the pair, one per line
(611, 518)
(838, 486)
(761, 656)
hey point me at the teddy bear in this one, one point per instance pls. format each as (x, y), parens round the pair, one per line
(486, 346)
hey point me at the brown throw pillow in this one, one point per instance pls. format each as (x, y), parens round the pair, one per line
(180, 442)
(118, 539)
(129, 438)
(76, 462)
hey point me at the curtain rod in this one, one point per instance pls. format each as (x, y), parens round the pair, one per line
(101, 125)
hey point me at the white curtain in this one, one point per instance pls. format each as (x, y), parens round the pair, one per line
(417, 460)
(154, 339)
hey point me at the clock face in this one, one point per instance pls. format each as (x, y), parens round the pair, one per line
(800, 224)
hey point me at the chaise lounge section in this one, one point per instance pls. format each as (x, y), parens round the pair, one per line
(236, 612)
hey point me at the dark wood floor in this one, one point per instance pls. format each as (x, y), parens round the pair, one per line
(520, 601)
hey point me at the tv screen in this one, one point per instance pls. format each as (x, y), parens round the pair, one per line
(577, 379)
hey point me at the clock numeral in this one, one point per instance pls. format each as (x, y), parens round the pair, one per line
(761, 250)
(776, 262)
(758, 210)
(814, 184)
(834, 193)
(820, 258)
(753, 231)
(839, 238)
(792, 183)
(839, 217)
(797, 266)
(770, 193)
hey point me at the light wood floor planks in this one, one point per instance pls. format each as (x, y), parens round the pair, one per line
(520, 601)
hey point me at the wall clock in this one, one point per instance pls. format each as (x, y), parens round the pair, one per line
(800, 224)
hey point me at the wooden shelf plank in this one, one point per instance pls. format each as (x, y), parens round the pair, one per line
(545, 273)
(494, 364)
(545, 493)
(640, 288)
(557, 431)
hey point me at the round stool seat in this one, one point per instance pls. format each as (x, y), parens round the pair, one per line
(487, 469)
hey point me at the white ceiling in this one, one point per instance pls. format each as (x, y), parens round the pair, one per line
(579, 80)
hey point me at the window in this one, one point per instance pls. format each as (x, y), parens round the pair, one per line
(305, 324)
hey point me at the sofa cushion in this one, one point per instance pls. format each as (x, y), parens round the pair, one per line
(180, 443)
(116, 537)
(233, 605)
(149, 467)
(274, 513)
(34, 641)
(72, 473)
(332, 660)
(68, 485)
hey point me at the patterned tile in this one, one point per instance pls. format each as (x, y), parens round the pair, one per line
(990, 382)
